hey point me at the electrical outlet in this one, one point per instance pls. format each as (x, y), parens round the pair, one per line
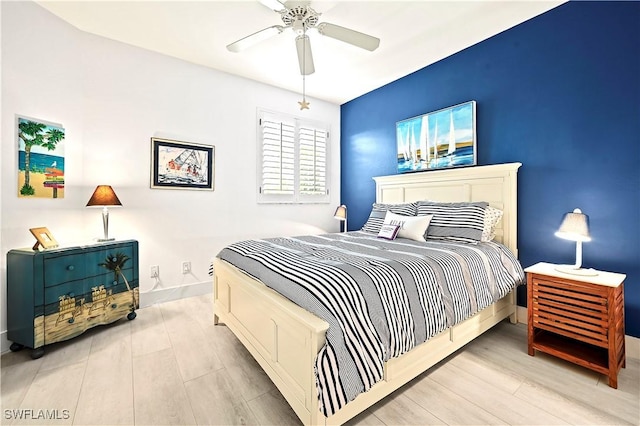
(155, 271)
(186, 267)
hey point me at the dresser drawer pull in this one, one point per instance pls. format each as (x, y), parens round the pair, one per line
(70, 268)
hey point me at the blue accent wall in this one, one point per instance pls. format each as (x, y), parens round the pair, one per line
(559, 93)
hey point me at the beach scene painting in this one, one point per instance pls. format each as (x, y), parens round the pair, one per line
(40, 159)
(441, 139)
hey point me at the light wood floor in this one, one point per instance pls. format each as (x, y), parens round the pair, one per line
(171, 365)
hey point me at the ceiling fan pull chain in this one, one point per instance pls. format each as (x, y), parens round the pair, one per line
(304, 104)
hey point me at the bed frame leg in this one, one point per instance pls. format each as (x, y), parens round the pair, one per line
(216, 319)
(513, 318)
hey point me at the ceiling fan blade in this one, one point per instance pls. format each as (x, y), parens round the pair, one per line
(347, 35)
(273, 4)
(305, 59)
(254, 38)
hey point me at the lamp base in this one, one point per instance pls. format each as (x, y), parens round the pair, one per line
(105, 239)
(571, 269)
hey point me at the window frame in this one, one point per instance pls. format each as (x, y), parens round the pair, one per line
(297, 197)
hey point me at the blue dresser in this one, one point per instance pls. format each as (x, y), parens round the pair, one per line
(57, 294)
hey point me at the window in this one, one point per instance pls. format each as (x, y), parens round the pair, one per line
(292, 159)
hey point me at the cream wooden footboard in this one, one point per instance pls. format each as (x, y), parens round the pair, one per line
(285, 339)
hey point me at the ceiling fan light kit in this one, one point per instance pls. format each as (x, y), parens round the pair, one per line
(305, 58)
(302, 43)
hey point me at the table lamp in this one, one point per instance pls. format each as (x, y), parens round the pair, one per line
(575, 227)
(104, 196)
(341, 215)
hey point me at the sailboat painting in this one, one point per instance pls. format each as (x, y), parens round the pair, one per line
(441, 139)
(184, 165)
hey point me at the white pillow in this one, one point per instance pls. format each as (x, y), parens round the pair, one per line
(411, 227)
(491, 218)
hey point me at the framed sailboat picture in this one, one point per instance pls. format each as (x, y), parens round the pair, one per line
(181, 165)
(437, 140)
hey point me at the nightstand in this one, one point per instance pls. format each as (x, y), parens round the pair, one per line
(577, 318)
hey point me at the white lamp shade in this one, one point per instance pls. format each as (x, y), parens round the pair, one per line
(574, 227)
(341, 215)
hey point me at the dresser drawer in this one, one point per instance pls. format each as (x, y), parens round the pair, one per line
(60, 269)
(72, 267)
(96, 257)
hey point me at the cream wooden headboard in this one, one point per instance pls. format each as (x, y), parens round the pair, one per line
(496, 184)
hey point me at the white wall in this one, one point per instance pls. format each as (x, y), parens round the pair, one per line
(111, 99)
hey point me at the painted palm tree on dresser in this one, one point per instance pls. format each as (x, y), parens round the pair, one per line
(116, 263)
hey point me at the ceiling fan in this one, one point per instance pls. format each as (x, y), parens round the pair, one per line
(300, 17)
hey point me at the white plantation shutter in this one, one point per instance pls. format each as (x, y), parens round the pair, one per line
(278, 157)
(293, 160)
(313, 161)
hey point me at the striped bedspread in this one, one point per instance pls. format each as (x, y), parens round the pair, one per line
(381, 298)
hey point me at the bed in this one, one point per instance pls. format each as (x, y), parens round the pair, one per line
(286, 339)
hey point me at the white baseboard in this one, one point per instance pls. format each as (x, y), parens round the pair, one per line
(154, 297)
(4, 343)
(147, 299)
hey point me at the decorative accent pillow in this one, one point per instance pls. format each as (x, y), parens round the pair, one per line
(378, 211)
(389, 232)
(459, 222)
(492, 217)
(411, 227)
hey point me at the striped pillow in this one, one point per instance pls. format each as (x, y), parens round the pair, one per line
(379, 211)
(459, 222)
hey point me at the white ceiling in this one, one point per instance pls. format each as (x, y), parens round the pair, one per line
(413, 35)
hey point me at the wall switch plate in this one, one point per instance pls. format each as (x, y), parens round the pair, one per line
(186, 267)
(154, 271)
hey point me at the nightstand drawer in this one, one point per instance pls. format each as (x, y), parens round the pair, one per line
(572, 310)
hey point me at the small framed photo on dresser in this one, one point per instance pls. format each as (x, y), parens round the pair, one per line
(43, 238)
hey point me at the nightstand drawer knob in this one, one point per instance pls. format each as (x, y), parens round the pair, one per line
(70, 268)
